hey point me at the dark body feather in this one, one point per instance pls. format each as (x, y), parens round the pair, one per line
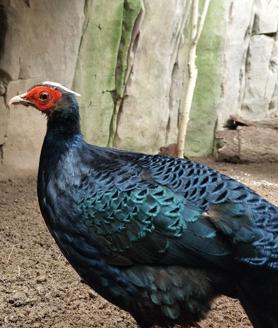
(158, 236)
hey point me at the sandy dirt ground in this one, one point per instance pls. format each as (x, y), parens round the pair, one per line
(38, 288)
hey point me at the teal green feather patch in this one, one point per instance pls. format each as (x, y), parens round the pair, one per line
(133, 215)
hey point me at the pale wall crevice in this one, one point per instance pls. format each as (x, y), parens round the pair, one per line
(133, 15)
(144, 118)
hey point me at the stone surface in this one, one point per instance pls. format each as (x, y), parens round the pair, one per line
(42, 40)
(41, 43)
(266, 17)
(25, 132)
(133, 15)
(128, 59)
(273, 106)
(2, 88)
(250, 67)
(95, 74)
(144, 116)
(239, 17)
(261, 77)
(3, 121)
(200, 134)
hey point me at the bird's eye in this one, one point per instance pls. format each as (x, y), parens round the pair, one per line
(44, 96)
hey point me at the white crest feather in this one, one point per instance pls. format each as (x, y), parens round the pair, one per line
(58, 85)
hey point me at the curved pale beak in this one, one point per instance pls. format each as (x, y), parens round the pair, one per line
(19, 100)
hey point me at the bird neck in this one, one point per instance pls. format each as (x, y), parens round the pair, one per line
(63, 130)
(64, 122)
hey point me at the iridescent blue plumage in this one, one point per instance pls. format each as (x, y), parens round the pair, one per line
(158, 236)
(163, 195)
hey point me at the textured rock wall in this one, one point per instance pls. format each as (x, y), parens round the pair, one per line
(128, 60)
(151, 100)
(133, 100)
(250, 67)
(41, 43)
(109, 32)
(131, 93)
(237, 61)
(203, 118)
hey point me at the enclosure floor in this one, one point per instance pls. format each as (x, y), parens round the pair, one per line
(38, 288)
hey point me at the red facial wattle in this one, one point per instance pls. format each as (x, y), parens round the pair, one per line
(43, 97)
